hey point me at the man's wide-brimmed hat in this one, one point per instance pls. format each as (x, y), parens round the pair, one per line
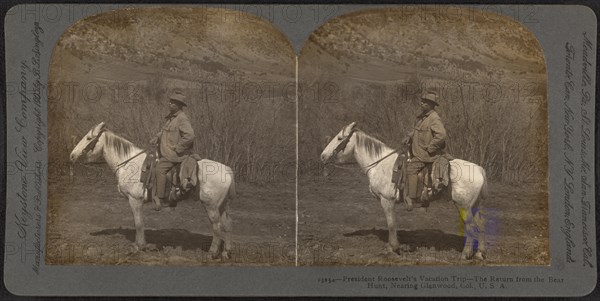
(431, 96)
(178, 98)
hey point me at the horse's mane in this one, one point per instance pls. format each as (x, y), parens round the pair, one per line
(371, 145)
(120, 145)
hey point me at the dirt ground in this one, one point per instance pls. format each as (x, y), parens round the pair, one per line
(342, 224)
(90, 223)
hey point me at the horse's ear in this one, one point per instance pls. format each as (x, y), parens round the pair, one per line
(348, 129)
(102, 125)
(327, 139)
(352, 125)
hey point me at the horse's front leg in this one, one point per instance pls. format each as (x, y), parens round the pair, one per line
(136, 209)
(390, 217)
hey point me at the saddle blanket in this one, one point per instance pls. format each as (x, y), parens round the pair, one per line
(184, 175)
(440, 172)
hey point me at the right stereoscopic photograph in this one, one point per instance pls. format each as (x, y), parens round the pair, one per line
(422, 140)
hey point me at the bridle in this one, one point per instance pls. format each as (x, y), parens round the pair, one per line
(343, 145)
(93, 143)
(340, 147)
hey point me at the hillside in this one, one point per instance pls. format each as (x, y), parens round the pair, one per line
(442, 44)
(372, 66)
(195, 42)
(122, 65)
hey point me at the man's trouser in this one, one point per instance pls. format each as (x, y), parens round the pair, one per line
(412, 171)
(162, 168)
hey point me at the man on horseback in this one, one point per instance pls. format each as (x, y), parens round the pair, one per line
(426, 142)
(175, 141)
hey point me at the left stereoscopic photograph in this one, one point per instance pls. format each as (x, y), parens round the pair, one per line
(171, 131)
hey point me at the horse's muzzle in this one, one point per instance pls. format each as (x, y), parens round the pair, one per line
(73, 157)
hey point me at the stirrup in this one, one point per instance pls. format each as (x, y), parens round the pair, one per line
(426, 194)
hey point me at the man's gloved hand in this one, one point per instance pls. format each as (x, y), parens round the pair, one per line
(431, 150)
(154, 141)
(406, 141)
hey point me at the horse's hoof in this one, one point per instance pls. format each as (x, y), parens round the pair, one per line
(214, 256)
(157, 208)
(466, 256)
(225, 255)
(136, 247)
(150, 247)
(409, 207)
(480, 255)
(393, 249)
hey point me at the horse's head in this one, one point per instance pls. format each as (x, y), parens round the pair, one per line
(89, 147)
(339, 149)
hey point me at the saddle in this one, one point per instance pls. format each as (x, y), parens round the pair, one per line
(432, 179)
(147, 176)
(181, 179)
(440, 172)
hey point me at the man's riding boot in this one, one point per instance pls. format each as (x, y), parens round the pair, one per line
(409, 203)
(159, 203)
(162, 169)
(425, 199)
(411, 187)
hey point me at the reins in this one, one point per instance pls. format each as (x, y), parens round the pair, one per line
(125, 162)
(381, 159)
(343, 145)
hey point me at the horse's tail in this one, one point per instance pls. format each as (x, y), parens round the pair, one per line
(484, 189)
(232, 193)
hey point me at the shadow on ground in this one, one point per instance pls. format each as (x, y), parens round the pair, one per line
(427, 238)
(165, 238)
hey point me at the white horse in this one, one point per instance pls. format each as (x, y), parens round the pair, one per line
(467, 183)
(215, 183)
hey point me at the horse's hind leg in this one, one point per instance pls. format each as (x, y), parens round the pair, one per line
(226, 227)
(215, 219)
(480, 223)
(467, 217)
(388, 209)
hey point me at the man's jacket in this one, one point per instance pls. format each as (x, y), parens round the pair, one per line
(428, 137)
(176, 137)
